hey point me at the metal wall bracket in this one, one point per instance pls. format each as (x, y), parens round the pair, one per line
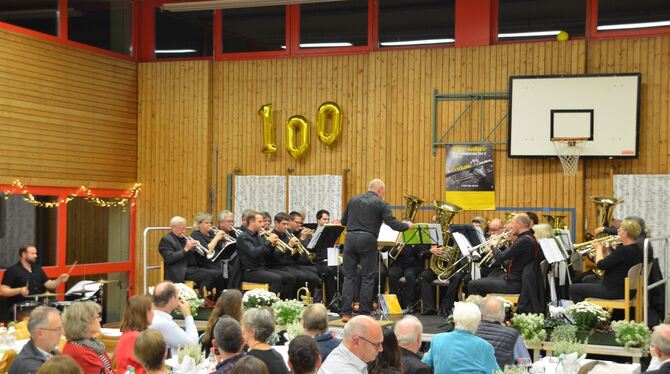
(472, 99)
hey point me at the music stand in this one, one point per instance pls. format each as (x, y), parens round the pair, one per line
(327, 236)
(421, 234)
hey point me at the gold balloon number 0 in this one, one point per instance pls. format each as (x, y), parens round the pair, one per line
(298, 131)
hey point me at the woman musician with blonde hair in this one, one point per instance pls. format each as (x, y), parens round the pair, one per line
(615, 264)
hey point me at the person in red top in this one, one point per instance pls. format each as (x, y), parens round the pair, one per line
(82, 323)
(137, 318)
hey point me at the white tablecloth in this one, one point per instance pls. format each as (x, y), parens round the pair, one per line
(550, 364)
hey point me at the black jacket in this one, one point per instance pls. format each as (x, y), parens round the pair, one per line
(524, 251)
(366, 212)
(252, 249)
(502, 338)
(175, 259)
(29, 360)
(412, 364)
(664, 369)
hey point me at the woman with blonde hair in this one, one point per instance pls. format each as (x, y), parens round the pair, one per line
(230, 303)
(81, 322)
(136, 318)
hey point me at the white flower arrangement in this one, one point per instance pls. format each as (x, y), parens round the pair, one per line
(530, 327)
(632, 334)
(287, 311)
(587, 315)
(258, 297)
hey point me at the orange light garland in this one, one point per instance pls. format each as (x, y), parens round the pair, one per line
(83, 192)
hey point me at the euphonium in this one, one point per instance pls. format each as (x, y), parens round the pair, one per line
(279, 244)
(442, 265)
(556, 222)
(604, 210)
(304, 295)
(412, 204)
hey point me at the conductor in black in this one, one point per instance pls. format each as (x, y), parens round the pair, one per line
(363, 217)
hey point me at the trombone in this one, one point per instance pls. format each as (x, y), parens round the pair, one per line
(279, 244)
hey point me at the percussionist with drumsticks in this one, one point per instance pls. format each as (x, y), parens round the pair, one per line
(26, 278)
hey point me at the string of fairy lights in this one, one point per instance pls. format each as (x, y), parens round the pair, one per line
(128, 199)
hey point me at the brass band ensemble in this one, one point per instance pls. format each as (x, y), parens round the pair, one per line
(505, 256)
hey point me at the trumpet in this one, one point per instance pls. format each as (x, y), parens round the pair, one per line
(304, 295)
(279, 244)
(307, 231)
(301, 248)
(487, 248)
(226, 237)
(237, 231)
(201, 249)
(588, 249)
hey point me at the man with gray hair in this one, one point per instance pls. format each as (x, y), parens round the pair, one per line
(363, 218)
(408, 332)
(45, 329)
(461, 351)
(362, 342)
(229, 341)
(179, 257)
(506, 341)
(660, 348)
(315, 324)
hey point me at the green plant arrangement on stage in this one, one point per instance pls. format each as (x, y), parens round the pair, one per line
(566, 347)
(587, 315)
(530, 327)
(631, 334)
(258, 297)
(564, 333)
(287, 311)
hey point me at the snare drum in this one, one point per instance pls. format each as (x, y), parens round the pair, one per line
(23, 309)
(60, 305)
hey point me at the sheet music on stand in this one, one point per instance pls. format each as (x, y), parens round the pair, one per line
(552, 252)
(463, 243)
(423, 234)
(85, 289)
(387, 236)
(564, 241)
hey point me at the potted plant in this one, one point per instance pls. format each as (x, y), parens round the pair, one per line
(258, 298)
(530, 327)
(631, 334)
(588, 316)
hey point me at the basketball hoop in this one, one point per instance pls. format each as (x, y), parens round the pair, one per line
(568, 151)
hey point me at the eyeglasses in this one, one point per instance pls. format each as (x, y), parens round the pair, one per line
(377, 345)
(57, 329)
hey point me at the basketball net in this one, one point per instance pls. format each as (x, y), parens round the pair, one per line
(568, 151)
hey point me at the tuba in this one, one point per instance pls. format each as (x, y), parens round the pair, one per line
(556, 222)
(412, 204)
(443, 265)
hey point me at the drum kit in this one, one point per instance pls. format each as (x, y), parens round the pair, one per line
(23, 309)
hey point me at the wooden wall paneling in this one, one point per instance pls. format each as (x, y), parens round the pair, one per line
(75, 111)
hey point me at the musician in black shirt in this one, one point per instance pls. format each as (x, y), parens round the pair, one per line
(252, 250)
(26, 277)
(524, 251)
(363, 217)
(615, 265)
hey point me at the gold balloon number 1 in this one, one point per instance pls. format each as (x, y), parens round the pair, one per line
(298, 130)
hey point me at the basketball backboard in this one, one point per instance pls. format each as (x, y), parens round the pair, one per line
(602, 108)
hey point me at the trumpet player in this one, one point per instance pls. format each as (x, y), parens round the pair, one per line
(524, 251)
(225, 223)
(288, 262)
(180, 258)
(615, 264)
(252, 250)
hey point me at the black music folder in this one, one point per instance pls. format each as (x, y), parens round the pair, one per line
(325, 236)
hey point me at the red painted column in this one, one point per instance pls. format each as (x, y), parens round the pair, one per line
(474, 22)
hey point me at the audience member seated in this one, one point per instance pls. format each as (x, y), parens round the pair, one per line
(150, 349)
(82, 323)
(303, 355)
(408, 331)
(166, 299)
(360, 345)
(389, 360)
(250, 365)
(660, 349)
(229, 304)
(461, 351)
(228, 340)
(60, 364)
(257, 326)
(315, 324)
(45, 329)
(503, 339)
(136, 318)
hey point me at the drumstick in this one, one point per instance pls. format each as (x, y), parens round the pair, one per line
(71, 268)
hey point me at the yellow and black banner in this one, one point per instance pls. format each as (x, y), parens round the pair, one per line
(470, 176)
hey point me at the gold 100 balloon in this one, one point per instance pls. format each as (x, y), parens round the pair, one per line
(299, 125)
